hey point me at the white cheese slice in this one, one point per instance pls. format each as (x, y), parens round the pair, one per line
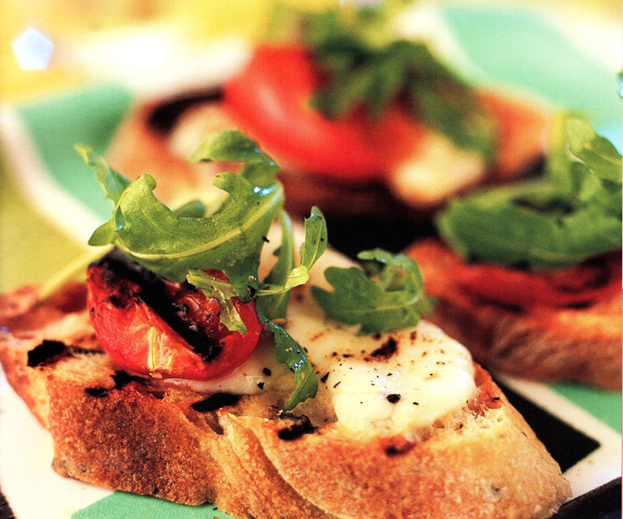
(395, 382)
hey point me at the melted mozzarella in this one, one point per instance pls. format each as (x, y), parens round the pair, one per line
(260, 372)
(394, 382)
(398, 382)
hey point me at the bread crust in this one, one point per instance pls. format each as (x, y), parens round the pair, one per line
(541, 343)
(125, 433)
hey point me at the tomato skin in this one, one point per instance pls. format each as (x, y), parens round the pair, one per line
(270, 99)
(140, 340)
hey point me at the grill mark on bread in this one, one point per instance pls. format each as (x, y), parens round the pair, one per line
(122, 379)
(296, 430)
(216, 401)
(77, 350)
(46, 353)
(96, 392)
(396, 446)
(51, 351)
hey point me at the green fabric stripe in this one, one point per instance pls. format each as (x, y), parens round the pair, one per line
(128, 506)
(88, 116)
(603, 405)
(518, 47)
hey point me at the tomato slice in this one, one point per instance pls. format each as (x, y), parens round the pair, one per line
(191, 342)
(270, 101)
(270, 98)
(572, 286)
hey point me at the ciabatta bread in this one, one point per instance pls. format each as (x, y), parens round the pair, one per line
(576, 342)
(239, 452)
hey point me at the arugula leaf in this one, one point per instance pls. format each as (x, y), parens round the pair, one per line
(316, 238)
(573, 214)
(595, 151)
(273, 295)
(367, 66)
(233, 146)
(458, 117)
(273, 291)
(192, 209)
(114, 183)
(229, 240)
(275, 305)
(291, 353)
(387, 295)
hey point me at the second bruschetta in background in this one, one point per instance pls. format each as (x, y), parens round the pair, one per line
(361, 120)
(529, 276)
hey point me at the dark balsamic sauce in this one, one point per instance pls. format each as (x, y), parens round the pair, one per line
(296, 430)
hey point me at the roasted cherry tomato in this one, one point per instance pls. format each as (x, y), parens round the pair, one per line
(163, 328)
(571, 286)
(270, 101)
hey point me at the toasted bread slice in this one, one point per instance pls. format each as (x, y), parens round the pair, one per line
(575, 342)
(239, 452)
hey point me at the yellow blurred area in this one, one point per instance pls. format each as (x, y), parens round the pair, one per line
(65, 21)
(14, 83)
